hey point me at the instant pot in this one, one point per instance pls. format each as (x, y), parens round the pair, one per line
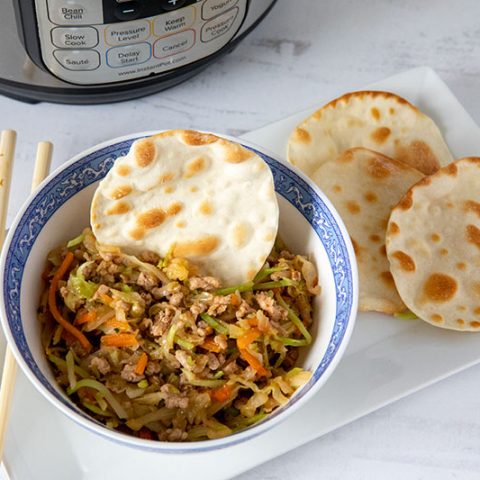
(98, 51)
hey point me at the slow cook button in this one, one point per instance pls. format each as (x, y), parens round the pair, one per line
(125, 33)
(174, 21)
(173, 44)
(128, 55)
(74, 37)
(78, 59)
(219, 25)
(212, 8)
(68, 12)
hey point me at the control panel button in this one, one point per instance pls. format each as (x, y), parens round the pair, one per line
(171, 4)
(68, 12)
(128, 55)
(219, 26)
(128, 11)
(174, 21)
(173, 44)
(212, 8)
(125, 33)
(78, 59)
(74, 37)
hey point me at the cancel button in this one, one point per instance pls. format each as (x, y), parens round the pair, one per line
(128, 55)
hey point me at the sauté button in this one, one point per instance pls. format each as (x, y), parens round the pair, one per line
(74, 37)
(78, 59)
(129, 55)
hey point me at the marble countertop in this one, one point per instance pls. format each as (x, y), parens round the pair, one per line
(305, 50)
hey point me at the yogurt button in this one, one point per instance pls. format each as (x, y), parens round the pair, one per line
(173, 44)
(174, 21)
(126, 33)
(128, 55)
(212, 8)
(78, 59)
(74, 37)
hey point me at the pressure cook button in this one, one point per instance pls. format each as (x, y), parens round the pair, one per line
(171, 4)
(78, 59)
(174, 21)
(68, 12)
(173, 44)
(74, 37)
(219, 25)
(212, 8)
(125, 33)
(129, 55)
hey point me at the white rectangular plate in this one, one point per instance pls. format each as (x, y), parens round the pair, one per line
(387, 359)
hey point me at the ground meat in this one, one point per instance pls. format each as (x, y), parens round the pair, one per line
(77, 303)
(244, 309)
(176, 299)
(145, 324)
(162, 322)
(196, 364)
(149, 257)
(213, 362)
(197, 308)
(128, 374)
(173, 435)
(101, 290)
(221, 341)
(100, 364)
(269, 305)
(147, 281)
(115, 383)
(153, 367)
(174, 400)
(219, 305)
(231, 368)
(291, 358)
(203, 283)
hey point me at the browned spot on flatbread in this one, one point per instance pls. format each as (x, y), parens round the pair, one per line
(440, 288)
(391, 110)
(476, 288)
(337, 188)
(181, 224)
(196, 248)
(476, 311)
(375, 238)
(370, 197)
(378, 169)
(165, 178)
(123, 170)
(137, 233)
(473, 235)
(405, 261)
(461, 266)
(419, 155)
(460, 322)
(436, 318)
(380, 135)
(443, 252)
(194, 188)
(120, 192)
(462, 308)
(375, 113)
(118, 208)
(174, 209)
(346, 156)
(353, 207)
(251, 274)
(475, 324)
(450, 169)
(151, 218)
(240, 235)
(472, 206)
(406, 202)
(383, 250)
(387, 279)
(194, 167)
(300, 135)
(435, 237)
(205, 208)
(169, 189)
(235, 153)
(393, 228)
(356, 247)
(145, 152)
(191, 137)
(98, 226)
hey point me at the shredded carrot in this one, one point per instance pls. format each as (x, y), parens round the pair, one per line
(52, 302)
(253, 321)
(117, 324)
(119, 340)
(141, 364)
(221, 394)
(86, 317)
(247, 338)
(234, 300)
(253, 362)
(211, 346)
(107, 299)
(68, 337)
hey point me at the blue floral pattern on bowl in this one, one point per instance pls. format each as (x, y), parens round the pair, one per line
(92, 168)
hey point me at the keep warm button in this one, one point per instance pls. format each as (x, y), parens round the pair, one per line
(173, 44)
(219, 26)
(128, 55)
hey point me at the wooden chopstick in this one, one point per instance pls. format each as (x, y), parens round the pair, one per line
(42, 167)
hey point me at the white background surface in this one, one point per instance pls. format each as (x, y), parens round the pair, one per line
(305, 50)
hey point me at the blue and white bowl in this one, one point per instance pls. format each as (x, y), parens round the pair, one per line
(59, 209)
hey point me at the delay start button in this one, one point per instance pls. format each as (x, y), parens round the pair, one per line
(173, 44)
(129, 55)
(78, 59)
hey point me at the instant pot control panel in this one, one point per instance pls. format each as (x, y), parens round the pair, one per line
(90, 42)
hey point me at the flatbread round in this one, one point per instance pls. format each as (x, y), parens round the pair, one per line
(364, 186)
(380, 121)
(209, 199)
(433, 245)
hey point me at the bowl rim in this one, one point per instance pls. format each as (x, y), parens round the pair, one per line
(197, 446)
